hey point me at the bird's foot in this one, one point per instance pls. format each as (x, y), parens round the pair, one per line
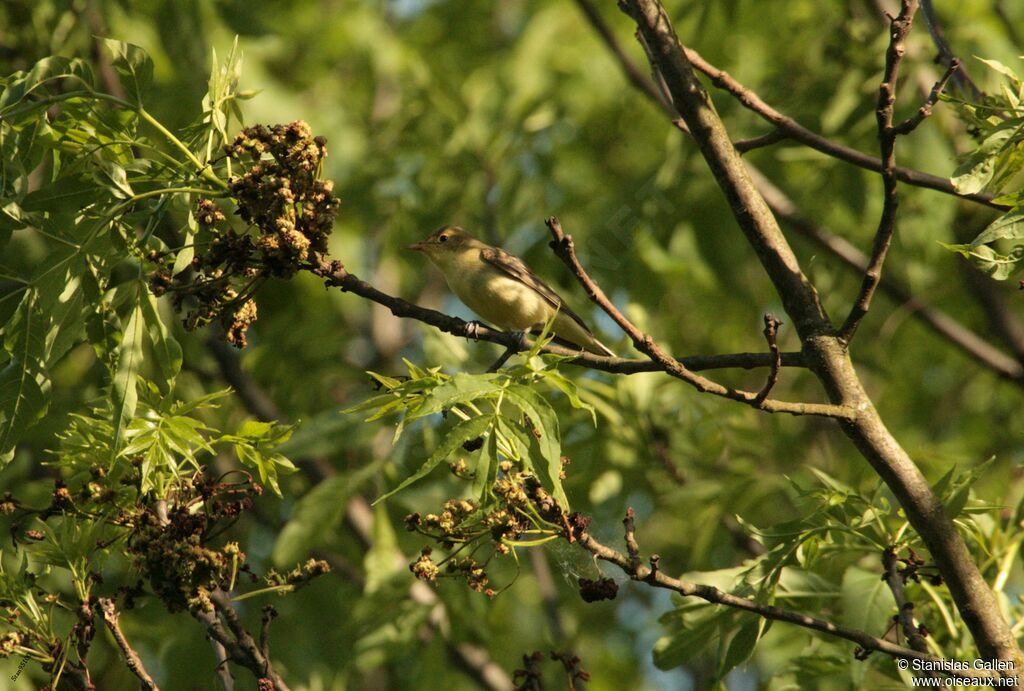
(473, 329)
(520, 342)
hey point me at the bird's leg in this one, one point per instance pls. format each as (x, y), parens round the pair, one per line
(516, 346)
(520, 341)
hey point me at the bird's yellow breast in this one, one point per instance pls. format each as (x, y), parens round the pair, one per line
(493, 294)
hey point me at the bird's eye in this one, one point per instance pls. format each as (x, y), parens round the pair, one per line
(443, 238)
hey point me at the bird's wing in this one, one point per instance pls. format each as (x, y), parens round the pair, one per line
(514, 267)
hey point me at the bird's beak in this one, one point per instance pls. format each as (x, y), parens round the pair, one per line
(417, 246)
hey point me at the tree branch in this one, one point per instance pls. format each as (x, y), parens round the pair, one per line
(905, 609)
(239, 645)
(790, 127)
(826, 355)
(335, 275)
(911, 123)
(783, 207)
(131, 658)
(899, 28)
(961, 79)
(969, 342)
(773, 137)
(564, 248)
(771, 332)
(633, 567)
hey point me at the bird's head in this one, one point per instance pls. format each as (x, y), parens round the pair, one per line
(445, 243)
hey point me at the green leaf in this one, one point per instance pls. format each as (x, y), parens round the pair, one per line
(125, 395)
(979, 168)
(545, 424)
(868, 604)
(1009, 226)
(321, 507)
(381, 559)
(24, 382)
(65, 194)
(742, 645)
(955, 488)
(46, 70)
(166, 350)
(569, 388)
(114, 178)
(485, 470)
(12, 217)
(459, 389)
(187, 253)
(691, 629)
(459, 434)
(134, 67)
(1001, 68)
(67, 313)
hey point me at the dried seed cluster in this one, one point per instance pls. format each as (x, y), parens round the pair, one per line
(173, 555)
(522, 505)
(289, 211)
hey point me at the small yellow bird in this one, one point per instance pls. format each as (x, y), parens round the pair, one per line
(501, 288)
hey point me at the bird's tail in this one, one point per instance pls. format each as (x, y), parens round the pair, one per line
(597, 348)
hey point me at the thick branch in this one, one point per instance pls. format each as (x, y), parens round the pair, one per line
(564, 248)
(655, 577)
(131, 658)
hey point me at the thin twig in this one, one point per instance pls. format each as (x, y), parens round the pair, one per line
(564, 248)
(509, 352)
(269, 615)
(655, 577)
(131, 658)
(911, 123)
(767, 139)
(336, 275)
(794, 130)
(905, 609)
(961, 79)
(942, 323)
(771, 335)
(899, 28)
(632, 546)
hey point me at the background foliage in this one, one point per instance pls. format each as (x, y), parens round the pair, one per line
(495, 117)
